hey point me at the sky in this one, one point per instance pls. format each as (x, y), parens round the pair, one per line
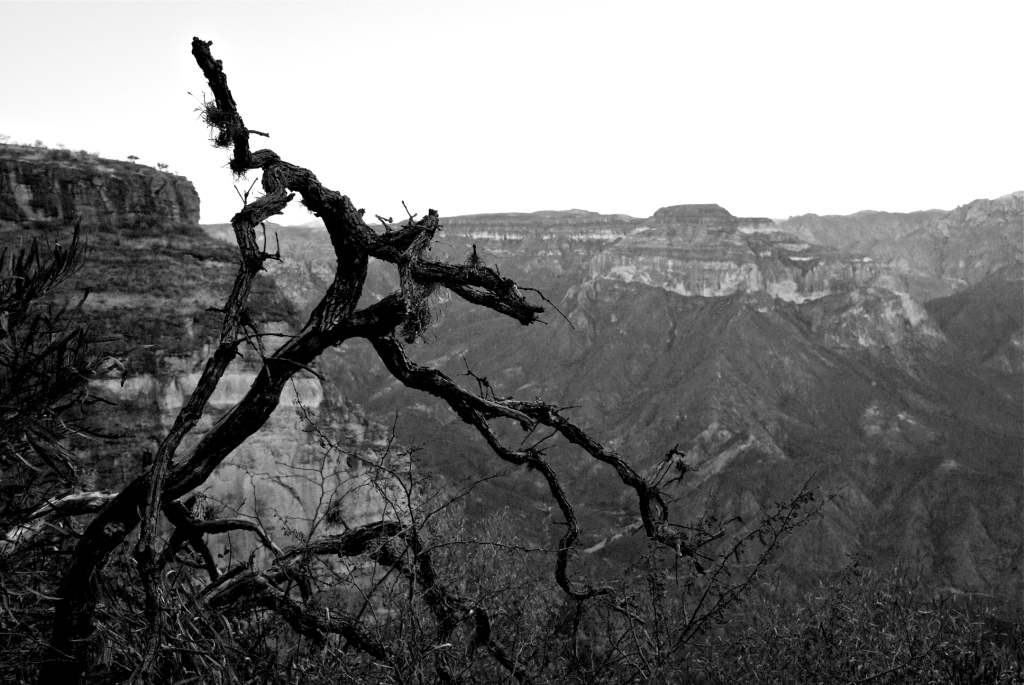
(766, 108)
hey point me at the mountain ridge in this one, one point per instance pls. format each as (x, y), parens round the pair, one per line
(855, 380)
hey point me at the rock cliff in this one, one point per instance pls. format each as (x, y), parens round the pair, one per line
(687, 249)
(37, 184)
(858, 232)
(545, 243)
(149, 288)
(704, 250)
(980, 238)
(933, 253)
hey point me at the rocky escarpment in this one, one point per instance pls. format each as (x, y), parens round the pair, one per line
(980, 238)
(933, 253)
(37, 184)
(965, 266)
(687, 249)
(704, 250)
(858, 232)
(986, 320)
(150, 290)
(543, 243)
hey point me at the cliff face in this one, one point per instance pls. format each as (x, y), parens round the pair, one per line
(687, 249)
(933, 253)
(704, 250)
(858, 232)
(149, 285)
(965, 266)
(307, 465)
(544, 243)
(981, 238)
(37, 184)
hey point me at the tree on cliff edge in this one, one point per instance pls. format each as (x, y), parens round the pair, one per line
(391, 323)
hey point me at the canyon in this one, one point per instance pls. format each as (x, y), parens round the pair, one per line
(148, 293)
(764, 355)
(877, 356)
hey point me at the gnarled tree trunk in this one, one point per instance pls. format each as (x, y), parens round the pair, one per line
(334, 320)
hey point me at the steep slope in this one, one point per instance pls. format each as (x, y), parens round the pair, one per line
(704, 250)
(934, 254)
(760, 394)
(986, 320)
(149, 289)
(38, 184)
(860, 232)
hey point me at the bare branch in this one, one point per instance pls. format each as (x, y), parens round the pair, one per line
(34, 521)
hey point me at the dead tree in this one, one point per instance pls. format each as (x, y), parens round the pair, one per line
(334, 320)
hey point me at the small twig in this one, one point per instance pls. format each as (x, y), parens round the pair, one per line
(298, 364)
(550, 303)
(537, 444)
(276, 256)
(483, 385)
(411, 215)
(245, 198)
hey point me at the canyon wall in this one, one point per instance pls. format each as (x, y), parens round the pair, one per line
(149, 290)
(38, 184)
(703, 250)
(933, 253)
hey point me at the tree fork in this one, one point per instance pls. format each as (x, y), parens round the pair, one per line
(334, 320)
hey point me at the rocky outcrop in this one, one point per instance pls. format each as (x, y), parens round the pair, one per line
(981, 238)
(38, 184)
(877, 321)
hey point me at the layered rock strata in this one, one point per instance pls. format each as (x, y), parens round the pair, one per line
(933, 253)
(150, 289)
(704, 250)
(37, 184)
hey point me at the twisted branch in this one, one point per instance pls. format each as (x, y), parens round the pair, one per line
(334, 320)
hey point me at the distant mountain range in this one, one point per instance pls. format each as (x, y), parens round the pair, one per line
(879, 354)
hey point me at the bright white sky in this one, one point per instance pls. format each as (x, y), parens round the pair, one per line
(766, 108)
